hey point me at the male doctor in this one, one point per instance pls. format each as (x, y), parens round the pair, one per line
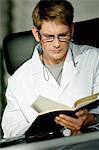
(58, 70)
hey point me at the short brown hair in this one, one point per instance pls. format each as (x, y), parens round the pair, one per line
(60, 11)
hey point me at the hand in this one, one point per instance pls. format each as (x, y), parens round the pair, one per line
(83, 118)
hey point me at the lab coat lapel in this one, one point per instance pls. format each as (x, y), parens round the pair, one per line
(69, 71)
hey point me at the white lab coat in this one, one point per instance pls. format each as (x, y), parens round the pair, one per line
(28, 83)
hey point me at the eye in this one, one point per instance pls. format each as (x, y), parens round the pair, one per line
(50, 36)
(63, 35)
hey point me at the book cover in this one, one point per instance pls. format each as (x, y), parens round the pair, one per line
(48, 109)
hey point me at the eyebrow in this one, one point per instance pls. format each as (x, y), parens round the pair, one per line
(63, 33)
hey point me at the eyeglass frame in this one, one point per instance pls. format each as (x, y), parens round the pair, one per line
(52, 37)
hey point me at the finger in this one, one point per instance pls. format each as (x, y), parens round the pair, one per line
(67, 121)
(73, 123)
(68, 118)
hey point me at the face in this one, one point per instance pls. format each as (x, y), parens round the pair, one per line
(54, 51)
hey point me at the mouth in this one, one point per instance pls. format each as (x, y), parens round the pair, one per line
(56, 51)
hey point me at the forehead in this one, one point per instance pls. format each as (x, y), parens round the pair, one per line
(51, 27)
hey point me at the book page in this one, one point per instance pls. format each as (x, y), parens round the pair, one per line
(43, 104)
(86, 100)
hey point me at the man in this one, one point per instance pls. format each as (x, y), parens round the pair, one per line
(58, 70)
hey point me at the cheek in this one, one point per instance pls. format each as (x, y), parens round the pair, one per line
(65, 45)
(46, 47)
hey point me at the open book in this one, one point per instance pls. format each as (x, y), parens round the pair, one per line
(44, 105)
(48, 109)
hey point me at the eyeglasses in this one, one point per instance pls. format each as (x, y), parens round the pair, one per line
(64, 37)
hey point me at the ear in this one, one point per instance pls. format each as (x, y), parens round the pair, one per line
(35, 33)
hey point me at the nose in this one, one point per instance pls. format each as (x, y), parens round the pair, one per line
(56, 42)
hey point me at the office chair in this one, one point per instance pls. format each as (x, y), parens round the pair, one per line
(18, 47)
